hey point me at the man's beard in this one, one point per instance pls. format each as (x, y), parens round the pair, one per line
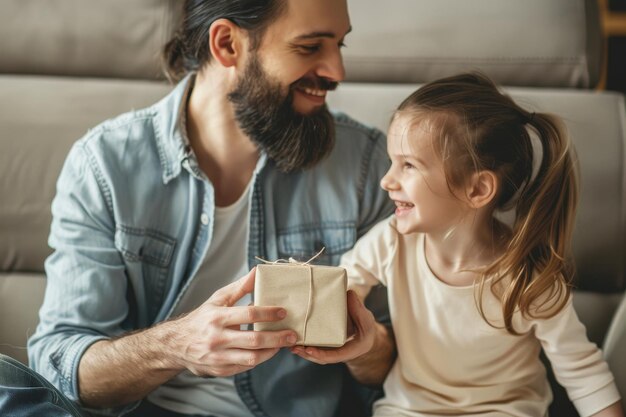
(292, 140)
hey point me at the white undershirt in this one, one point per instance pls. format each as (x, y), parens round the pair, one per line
(225, 262)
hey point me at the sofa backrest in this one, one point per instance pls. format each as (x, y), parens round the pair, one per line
(86, 38)
(547, 56)
(416, 43)
(68, 64)
(533, 43)
(65, 66)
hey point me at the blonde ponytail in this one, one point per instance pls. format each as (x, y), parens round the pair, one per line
(537, 262)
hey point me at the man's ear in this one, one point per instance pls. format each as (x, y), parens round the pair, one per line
(226, 42)
(482, 189)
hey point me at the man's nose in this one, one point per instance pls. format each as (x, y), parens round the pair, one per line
(331, 66)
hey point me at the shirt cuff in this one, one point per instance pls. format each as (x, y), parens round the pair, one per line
(597, 400)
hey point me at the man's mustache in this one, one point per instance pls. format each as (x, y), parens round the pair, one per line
(316, 83)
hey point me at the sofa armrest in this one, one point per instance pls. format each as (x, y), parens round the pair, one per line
(615, 348)
(21, 295)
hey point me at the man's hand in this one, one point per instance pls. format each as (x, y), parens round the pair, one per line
(209, 339)
(369, 351)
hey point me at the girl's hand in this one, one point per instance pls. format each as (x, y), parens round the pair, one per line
(362, 329)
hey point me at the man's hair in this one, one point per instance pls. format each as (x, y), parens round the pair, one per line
(188, 50)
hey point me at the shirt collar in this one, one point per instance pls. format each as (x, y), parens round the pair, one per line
(171, 133)
(171, 128)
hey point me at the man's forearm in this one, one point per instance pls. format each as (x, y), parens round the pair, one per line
(372, 368)
(119, 371)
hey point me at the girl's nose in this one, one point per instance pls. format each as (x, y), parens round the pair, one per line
(388, 183)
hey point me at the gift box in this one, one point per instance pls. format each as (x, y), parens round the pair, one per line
(314, 297)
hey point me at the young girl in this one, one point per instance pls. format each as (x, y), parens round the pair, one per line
(472, 300)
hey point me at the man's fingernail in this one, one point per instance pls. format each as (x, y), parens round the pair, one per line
(282, 314)
(291, 339)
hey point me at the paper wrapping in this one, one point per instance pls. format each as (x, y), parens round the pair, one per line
(314, 297)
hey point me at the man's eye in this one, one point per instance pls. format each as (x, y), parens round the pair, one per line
(309, 49)
(342, 45)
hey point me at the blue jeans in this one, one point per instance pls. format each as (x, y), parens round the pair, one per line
(146, 409)
(24, 393)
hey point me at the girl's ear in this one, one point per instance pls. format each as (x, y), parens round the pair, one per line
(226, 42)
(482, 189)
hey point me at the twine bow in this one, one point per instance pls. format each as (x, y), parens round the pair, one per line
(292, 261)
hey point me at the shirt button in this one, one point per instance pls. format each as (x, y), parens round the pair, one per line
(204, 219)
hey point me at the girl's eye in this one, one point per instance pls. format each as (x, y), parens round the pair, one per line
(408, 165)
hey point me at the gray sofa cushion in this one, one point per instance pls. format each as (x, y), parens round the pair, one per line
(615, 348)
(555, 43)
(21, 296)
(89, 38)
(41, 118)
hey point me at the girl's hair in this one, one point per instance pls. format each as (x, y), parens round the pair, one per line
(481, 128)
(188, 50)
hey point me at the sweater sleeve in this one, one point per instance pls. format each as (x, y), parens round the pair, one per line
(367, 262)
(577, 363)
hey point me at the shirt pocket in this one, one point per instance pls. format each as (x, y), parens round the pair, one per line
(145, 245)
(304, 242)
(148, 255)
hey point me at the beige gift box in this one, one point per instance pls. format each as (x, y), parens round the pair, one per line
(314, 297)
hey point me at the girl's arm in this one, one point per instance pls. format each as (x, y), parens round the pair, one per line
(614, 410)
(578, 363)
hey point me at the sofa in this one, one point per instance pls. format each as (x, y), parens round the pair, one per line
(67, 65)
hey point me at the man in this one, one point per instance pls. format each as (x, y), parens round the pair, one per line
(162, 208)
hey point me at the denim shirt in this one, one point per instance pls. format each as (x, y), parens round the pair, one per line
(133, 218)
